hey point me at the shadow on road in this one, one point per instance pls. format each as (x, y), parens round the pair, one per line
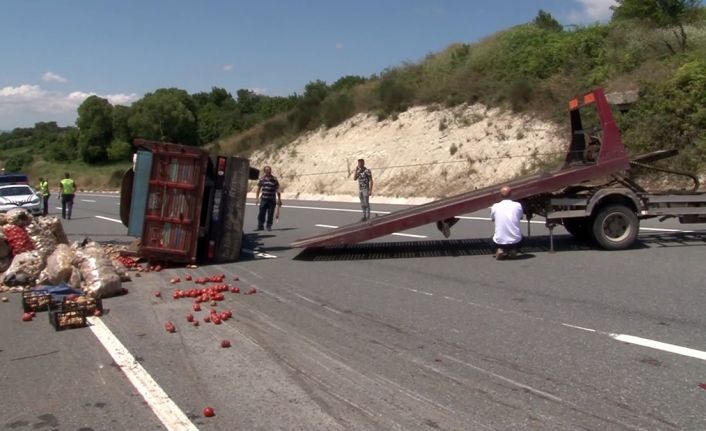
(472, 247)
(436, 248)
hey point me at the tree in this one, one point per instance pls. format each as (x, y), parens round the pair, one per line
(546, 21)
(121, 129)
(661, 13)
(95, 124)
(347, 82)
(168, 114)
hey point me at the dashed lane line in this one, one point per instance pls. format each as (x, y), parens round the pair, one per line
(109, 219)
(87, 200)
(646, 342)
(171, 416)
(653, 229)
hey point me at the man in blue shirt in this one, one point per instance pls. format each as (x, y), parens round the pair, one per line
(267, 196)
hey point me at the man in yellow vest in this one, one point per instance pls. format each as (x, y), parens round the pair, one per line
(44, 194)
(67, 190)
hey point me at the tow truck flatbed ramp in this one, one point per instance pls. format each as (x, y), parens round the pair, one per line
(611, 159)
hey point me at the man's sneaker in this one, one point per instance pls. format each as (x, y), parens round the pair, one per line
(269, 228)
(364, 219)
(259, 228)
(500, 254)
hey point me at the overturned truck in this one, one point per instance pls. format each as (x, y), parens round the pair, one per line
(185, 205)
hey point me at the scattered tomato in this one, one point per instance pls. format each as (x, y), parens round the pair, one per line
(169, 326)
(208, 412)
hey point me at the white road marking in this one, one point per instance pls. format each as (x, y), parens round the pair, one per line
(410, 235)
(259, 254)
(109, 219)
(418, 291)
(645, 342)
(346, 210)
(579, 327)
(161, 404)
(671, 348)
(655, 229)
(328, 226)
(658, 229)
(88, 200)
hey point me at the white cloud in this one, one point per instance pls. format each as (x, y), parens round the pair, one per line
(53, 77)
(26, 104)
(256, 90)
(339, 45)
(592, 11)
(227, 67)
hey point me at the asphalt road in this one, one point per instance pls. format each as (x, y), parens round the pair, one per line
(407, 332)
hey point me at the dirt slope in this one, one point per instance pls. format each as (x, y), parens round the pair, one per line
(423, 153)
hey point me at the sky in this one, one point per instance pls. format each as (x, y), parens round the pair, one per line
(55, 53)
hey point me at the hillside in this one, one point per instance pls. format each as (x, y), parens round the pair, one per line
(421, 153)
(465, 116)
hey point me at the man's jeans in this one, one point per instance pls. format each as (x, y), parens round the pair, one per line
(267, 208)
(45, 204)
(364, 196)
(67, 205)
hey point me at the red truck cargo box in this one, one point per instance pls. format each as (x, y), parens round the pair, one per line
(174, 200)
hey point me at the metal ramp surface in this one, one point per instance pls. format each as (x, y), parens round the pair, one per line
(612, 158)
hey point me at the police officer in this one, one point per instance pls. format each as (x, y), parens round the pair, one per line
(44, 193)
(67, 190)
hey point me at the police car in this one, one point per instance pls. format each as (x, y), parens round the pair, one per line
(16, 193)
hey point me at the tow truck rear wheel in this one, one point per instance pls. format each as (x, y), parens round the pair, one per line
(615, 227)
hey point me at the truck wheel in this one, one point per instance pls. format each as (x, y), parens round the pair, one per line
(579, 227)
(615, 227)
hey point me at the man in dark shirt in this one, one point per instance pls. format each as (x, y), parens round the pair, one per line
(365, 187)
(267, 196)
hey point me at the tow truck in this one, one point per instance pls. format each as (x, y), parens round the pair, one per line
(592, 194)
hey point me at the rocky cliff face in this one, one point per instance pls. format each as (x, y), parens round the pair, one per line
(423, 152)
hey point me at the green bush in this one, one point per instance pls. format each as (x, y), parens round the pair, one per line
(337, 108)
(671, 114)
(18, 162)
(116, 178)
(120, 151)
(273, 129)
(394, 95)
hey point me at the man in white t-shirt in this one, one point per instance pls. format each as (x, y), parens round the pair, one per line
(507, 215)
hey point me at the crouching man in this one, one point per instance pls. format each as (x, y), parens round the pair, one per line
(507, 215)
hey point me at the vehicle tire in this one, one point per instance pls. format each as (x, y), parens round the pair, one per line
(579, 227)
(615, 227)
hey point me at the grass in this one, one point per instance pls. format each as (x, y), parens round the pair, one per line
(87, 177)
